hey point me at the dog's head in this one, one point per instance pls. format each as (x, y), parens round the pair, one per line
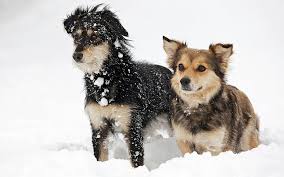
(197, 72)
(93, 31)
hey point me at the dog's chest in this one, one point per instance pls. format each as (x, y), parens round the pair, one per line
(99, 88)
(118, 114)
(212, 141)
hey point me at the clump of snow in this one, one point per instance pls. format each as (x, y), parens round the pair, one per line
(103, 102)
(117, 43)
(105, 92)
(107, 82)
(187, 112)
(99, 81)
(120, 55)
(104, 73)
(91, 77)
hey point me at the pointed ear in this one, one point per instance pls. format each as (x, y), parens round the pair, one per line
(222, 53)
(171, 47)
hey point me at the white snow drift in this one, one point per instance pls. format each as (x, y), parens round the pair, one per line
(43, 128)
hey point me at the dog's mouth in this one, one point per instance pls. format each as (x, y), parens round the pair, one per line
(86, 62)
(188, 88)
(90, 63)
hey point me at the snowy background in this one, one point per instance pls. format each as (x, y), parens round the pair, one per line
(44, 130)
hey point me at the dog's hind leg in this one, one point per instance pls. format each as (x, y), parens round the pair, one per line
(99, 136)
(135, 140)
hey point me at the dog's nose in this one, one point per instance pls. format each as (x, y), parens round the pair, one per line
(77, 56)
(185, 81)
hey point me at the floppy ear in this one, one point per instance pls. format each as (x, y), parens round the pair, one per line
(71, 19)
(222, 52)
(171, 47)
(113, 22)
(69, 24)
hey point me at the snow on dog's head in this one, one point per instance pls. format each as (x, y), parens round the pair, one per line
(94, 32)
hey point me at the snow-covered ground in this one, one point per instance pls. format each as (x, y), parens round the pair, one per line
(44, 130)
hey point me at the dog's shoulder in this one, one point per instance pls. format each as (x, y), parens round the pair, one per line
(238, 97)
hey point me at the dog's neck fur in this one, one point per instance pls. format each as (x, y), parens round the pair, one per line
(204, 117)
(103, 84)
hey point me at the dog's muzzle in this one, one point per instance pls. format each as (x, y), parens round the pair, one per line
(185, 84)
(77, 56)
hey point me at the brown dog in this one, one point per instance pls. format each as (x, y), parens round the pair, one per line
(207, 114)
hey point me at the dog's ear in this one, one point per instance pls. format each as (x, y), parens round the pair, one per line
(69, 24)
(222, 53)
(171, 48)
(113, 22)
(71, 19)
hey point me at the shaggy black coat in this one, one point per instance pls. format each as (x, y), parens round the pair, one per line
(144, 87)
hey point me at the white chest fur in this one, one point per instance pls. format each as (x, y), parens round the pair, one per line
(120, 114)
(212, 141)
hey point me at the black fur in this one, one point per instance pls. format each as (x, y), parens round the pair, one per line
(144, 87)
(104, 22)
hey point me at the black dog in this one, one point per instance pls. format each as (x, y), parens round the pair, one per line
(120, 93)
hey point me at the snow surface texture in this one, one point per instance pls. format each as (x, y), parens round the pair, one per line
(43, 128)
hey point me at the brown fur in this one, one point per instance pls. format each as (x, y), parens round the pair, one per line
(103, 152)
(94, 57)
(101, 115)
(207, 114)
(184, 146)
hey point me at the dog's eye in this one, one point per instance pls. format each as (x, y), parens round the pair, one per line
(201, 68)
(77, 33)
(180, 67)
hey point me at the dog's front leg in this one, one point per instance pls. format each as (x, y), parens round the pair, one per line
(100, 147)
(135, 140)
(185, 146)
